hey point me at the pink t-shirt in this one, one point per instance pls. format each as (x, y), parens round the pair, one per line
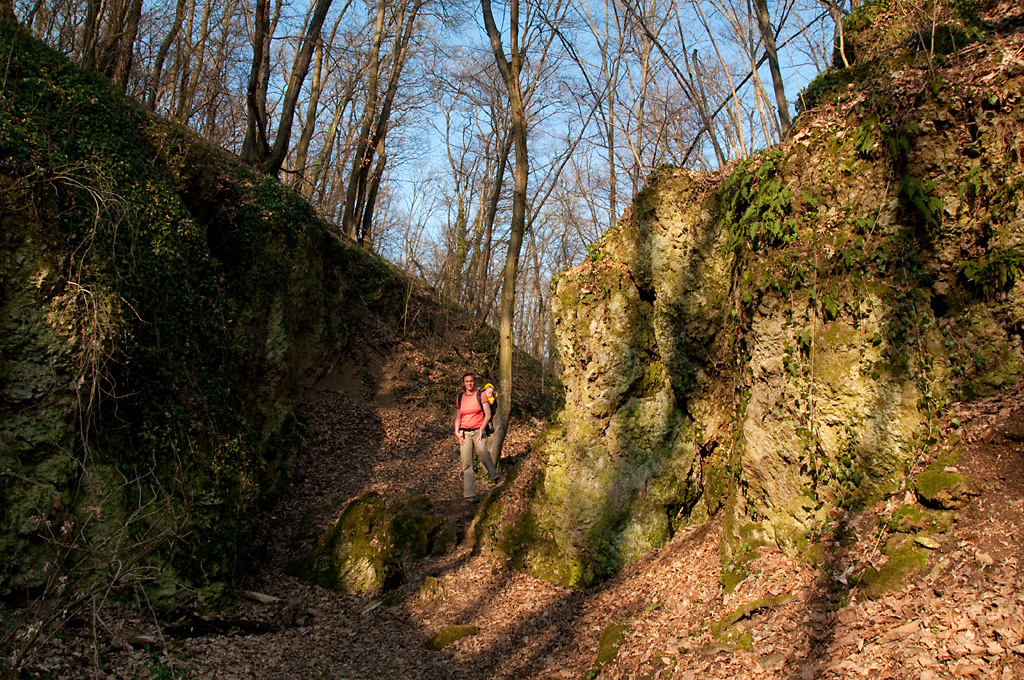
(471, 415)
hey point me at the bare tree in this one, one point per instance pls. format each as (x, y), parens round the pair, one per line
(161, 55)
(510, 68)
(309, 123)
(363, 181)
(764, 22)
(256, 148)
(300, 68)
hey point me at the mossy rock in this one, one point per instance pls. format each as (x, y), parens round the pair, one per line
(366, 548)
(912, 518)
(738, 640)
(904, 562)
(736, 571)
(721, 629)
(814, 555)
(432, 589)
(447, 636)
(608, 646)
(940, 487)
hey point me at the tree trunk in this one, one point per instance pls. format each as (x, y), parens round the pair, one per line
(732, 87)
(124, 47)
(195, 78)
(371, 198)
(255, 147)
(87, 57)
(360, 163)
(700, 100)
(375, 125)
(768, 36)
(510, 71)
(301, 181)
(300, 68)
(484, 300)
(323, 158)
(161, 55)
(214, 91)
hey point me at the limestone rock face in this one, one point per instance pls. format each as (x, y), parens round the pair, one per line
(778, 342)
(630, 460)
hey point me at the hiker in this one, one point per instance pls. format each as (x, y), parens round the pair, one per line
(471, 419)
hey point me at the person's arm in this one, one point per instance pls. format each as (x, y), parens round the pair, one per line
(458, 434)
(487, 418)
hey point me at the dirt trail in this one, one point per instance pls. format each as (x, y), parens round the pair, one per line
(963, 616)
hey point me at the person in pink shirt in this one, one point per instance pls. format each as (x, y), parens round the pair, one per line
(473, 412)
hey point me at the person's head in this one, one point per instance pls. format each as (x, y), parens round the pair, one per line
(468, 382)
(489, 390)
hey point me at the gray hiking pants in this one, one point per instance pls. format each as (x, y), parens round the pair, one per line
(466, 453)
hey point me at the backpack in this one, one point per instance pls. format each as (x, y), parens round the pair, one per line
(489, 430)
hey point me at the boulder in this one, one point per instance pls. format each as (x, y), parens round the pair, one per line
(367, 548)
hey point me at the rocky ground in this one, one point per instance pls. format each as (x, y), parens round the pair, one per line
(667, 616)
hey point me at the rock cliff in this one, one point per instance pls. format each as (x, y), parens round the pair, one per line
(779, 341)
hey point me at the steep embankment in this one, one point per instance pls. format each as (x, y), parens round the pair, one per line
(161, 307)
(778, 345)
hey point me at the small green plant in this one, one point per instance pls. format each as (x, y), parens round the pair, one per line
(996, 273)
(596, 251)
(864, 139)
(756, 204)
(916, 197)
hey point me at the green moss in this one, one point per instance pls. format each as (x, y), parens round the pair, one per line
(939, 488)
(366, 548)
(447, 636)
(791, 535)
(912, 518)
(736, 570)
(738, 639)
(904, 562)
(723, 629)
(652, 381)
(608, 645)
(717, 481)
(814, 555)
